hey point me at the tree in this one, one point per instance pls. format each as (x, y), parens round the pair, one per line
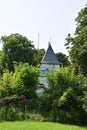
(16, 48)
(77, 44)
(62, 58)
(38, 55)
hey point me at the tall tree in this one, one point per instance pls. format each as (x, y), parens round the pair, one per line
(16, 48)
(62, 58)
(38, 55)
(77, 45)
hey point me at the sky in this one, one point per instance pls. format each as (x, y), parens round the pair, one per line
(53, 19)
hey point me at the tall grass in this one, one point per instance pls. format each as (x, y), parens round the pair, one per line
(26, 125)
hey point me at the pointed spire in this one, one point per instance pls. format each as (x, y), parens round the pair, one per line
(50, 57)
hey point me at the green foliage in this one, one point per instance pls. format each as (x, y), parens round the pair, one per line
(5, 84)
(38, 55)
(8, 113)
(22, 82)
(16, 48)
(11, 113)
(18, 90)
(77, 45)
(63, 100)
(25, 80)
(62, 58)
(85, 101)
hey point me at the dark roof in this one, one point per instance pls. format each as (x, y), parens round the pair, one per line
(49, 57)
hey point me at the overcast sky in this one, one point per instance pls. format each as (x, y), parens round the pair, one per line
(51, 18)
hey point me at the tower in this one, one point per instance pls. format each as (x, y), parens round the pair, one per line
(48, 61)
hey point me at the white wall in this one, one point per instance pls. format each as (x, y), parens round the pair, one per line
(48, 66)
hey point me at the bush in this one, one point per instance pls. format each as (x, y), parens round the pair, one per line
(23, 81)
(8, 113)
(12, 113)
(64, 96)
(18, 89)
(5, 84)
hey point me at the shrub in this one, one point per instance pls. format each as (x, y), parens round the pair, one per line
(18, 88)
(8, 113)
(5, 84)
(23, 81)
(64, 96)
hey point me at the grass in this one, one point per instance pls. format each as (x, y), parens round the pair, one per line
(26, 125)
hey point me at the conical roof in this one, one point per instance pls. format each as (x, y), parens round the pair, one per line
(50, 57)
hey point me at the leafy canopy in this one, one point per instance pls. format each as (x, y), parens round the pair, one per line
(62, 58)
(77, 44)
(16, 48)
